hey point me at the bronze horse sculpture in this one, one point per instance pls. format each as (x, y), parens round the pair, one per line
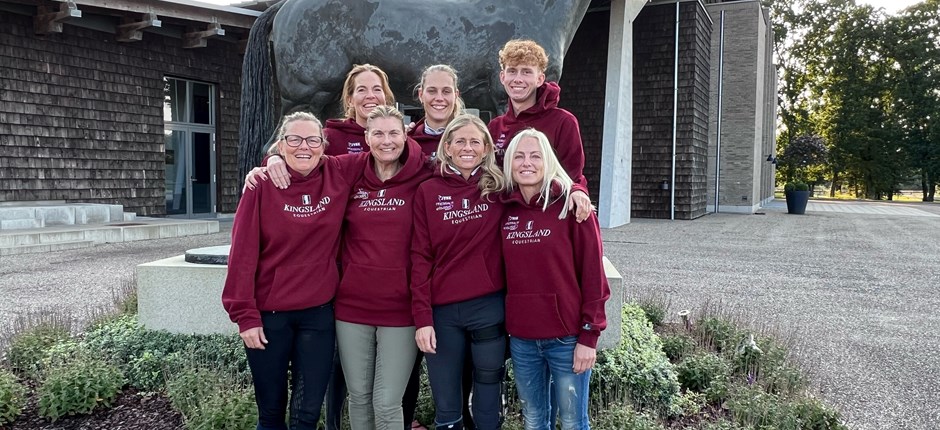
(299, 51)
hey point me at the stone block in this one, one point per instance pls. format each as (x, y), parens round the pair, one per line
(19, 224)
(141, 232)
(56, 215)
(105, 235)
(611, 336)
(115, 213)
(61, 236)
(92, 214)
(182, 297)
(192, 229)
(15, 213)
(171, 230)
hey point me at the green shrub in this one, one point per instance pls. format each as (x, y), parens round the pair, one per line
(637, 371)
(677, 346)
(811, 414)
(424, 412)
(718, 333)
(29, 347)
(12, 397)
(655, 310)
(140, 351)
(751, 406)
(210, 398)
(722, 424)
(698, 372)
(78, 386)
(226, 409)
(148, 372)
(691, 403)
(796, 186)
(623, 417)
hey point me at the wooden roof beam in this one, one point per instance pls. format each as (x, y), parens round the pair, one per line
(198, 39)
(132, 30)
(180, 9)
(49, 18)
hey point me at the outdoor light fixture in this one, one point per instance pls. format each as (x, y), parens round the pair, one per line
(664, 185)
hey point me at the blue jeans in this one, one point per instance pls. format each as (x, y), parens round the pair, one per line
(302, 342)
(535, 363)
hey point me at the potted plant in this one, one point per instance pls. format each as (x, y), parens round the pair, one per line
(797, 193)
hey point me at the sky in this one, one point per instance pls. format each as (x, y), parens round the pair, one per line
(891, 6)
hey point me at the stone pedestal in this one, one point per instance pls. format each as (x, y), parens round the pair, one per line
(183, 297)
(611, 336)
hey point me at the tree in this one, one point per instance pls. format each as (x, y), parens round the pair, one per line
(914, 49)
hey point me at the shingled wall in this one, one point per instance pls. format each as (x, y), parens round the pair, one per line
(583, 87)
(81, 115)
(653, 80)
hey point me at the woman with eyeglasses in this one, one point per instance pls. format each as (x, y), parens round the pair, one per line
(282, 274)
(375, 330)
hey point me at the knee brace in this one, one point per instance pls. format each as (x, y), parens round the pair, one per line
(487, 334)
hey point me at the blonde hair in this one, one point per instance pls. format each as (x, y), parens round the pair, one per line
(350, 86)
(294, 117)
(523, 51)
(492, 180)
(554, 172)
(459, 105)
(384, 111)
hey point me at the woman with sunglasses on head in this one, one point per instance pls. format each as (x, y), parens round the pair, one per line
(457, 274)
(281, 284)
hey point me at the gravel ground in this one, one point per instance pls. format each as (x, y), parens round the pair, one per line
(858, 292)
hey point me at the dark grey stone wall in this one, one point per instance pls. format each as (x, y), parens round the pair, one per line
(653, 80)
(81, 115)
(583, 88)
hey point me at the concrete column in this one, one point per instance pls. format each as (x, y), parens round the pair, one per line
(617, 152)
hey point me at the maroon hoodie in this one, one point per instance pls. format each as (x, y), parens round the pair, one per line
(555, 278)
(455, 253)
(345, 136)
(559, 125)
(377, 244)
(428, 142)
(284, 242)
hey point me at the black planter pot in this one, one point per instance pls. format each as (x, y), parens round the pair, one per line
(796, 201)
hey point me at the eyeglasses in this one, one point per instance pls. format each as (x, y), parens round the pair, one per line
(473, 143)
(294, 141)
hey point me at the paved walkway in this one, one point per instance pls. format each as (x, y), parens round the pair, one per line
(858, 288)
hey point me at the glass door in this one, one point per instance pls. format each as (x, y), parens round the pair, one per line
(189, 112)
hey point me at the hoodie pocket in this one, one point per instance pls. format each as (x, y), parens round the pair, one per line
(534, 316)
(303, 286)
(374, 287)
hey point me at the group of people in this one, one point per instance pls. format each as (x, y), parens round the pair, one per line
(435, 242)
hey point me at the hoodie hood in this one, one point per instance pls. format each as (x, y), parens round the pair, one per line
(348, 126)
(515, 197)
(546, 97)
(413, 163)
(428, 142)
